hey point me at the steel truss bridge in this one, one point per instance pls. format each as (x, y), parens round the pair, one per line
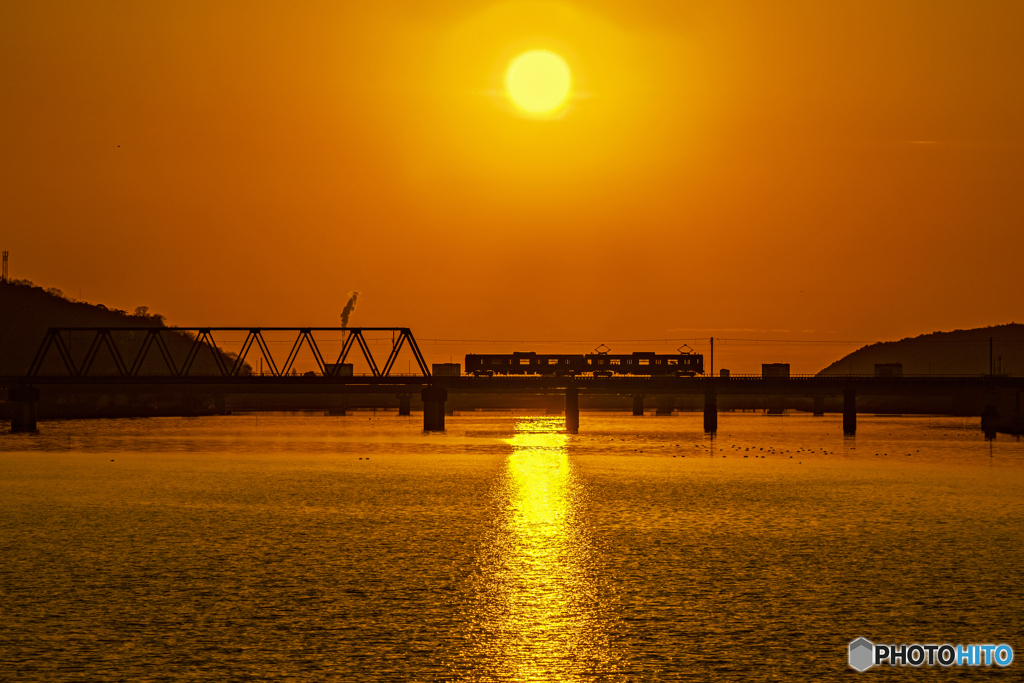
(203, 343)
(227, 377)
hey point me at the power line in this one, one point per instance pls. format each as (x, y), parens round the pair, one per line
(559, 341)
(677, 340)
(733, 340)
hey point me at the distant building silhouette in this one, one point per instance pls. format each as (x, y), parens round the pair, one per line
(775, 369)
(888, 369)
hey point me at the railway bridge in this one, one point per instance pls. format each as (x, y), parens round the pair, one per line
(56, 368)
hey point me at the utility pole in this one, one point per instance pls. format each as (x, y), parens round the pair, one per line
(991, 365)
(712, 356)
(3, 273)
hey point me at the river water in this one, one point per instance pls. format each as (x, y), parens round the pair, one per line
(309, 548)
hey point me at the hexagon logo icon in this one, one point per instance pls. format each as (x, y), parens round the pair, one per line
(862, 654)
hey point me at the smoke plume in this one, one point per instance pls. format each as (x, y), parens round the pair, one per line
(349, 307)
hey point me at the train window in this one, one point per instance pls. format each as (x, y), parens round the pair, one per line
(524, 361)
(615, 361)
(600, 361)
(552, 361)
(645, 361)
(657, 361)
(495, 361)
(629, 361)
(671, 361)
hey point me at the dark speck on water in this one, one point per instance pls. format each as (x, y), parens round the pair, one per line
(502, 550)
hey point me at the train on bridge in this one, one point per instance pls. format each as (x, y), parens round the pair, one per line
(640, 363)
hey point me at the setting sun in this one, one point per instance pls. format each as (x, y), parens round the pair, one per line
(538, 81)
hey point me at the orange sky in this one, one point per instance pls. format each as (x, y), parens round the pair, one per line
(792, 170)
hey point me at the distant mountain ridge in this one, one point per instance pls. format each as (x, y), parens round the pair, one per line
(960, 352)
(27, 312)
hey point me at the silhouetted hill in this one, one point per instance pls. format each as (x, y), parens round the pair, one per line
(27, 311)
(960, 352)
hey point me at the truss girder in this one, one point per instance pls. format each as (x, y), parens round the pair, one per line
(367, 354)
(305, 336)
(102, 339)
(202, 338)
(152, 337)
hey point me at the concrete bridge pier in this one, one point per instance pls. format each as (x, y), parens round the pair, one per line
(990, 416)
(849, 411)
(638, 405)
(433, 408)
(666, 404)
(404, 405)
(819, 406)
(341, 410)
(572, 410)
(220, 404)
(710, 411)
(23, 409)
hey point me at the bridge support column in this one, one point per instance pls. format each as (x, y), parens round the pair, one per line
(572, 410)
(220, 404)
(849, 411)
(1018, 425)
(433, 408)
(710, 411)
(23, 409)
(990, 415)
(404, 405)
(819, 406)
(666, 404)
(638, 405)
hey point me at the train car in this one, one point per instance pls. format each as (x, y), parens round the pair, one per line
(524, 363)
(600, 364)
(644, 363)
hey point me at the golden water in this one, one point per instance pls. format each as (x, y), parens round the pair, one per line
(358, 548)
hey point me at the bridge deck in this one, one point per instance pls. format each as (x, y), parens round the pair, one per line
(743, 385)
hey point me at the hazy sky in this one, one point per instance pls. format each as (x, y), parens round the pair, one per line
(804, 170)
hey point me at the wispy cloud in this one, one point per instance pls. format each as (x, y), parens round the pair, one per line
(966, 144)
(723, 329)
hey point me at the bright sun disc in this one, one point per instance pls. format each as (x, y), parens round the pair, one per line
(538, 81)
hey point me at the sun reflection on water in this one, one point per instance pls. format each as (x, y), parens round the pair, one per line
(539, 608)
